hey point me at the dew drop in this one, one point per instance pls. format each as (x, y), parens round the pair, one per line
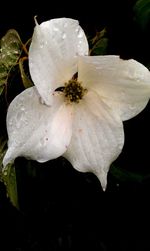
(76, 30)
(20, 118)
(80, 34)
(41, 46)
(65, 25)
(18, 124)
(22, 108)
(55, 29)
(43, 142)
(64, 36)
(10, 123)
(132, 107)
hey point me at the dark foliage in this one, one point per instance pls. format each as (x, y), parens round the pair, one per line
(60, 208)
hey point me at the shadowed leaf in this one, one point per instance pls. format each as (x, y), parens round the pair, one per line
(123, 175)
(142, 13)
(99, 43)
(25, 79)
(8, 175)
(9, 179)
(11, 48)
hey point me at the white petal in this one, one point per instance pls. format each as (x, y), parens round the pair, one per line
(37, 131)
(124, 84)
(97, 138)
(53, 54)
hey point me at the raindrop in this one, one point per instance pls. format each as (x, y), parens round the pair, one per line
(20, 118)
(55, 29)
(18, 124)
(41, 46)
(22, 108)
(132, 107)
(64, 36)
(80, 34)
(43, 141)
(138, 79)
(10, 123)
(65, 25)
(76, 30)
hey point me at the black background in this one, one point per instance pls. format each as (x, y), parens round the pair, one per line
(62, 209)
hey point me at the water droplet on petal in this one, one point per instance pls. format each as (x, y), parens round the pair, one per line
(65, 25)
(55, 29)
(80, 34)
(132, 107)
(64, 36)
(43, 141)
(41, 46)
(20, 119)
(10, 123)
(22, 108)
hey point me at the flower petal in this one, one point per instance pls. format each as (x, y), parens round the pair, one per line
(124, 84)
(35, 130)
(97, 138)
(53, 54)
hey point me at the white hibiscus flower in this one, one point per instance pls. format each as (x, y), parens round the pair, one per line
(78, 103)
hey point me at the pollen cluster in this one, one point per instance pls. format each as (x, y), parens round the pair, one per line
(74, 91)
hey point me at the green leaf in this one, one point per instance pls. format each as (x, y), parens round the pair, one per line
(9, 179)
(101, 47)
(3, 73)
(1, 89)
(123, 175)
(8, 175)
(99, 43)
(25, 79)
(142, 13)
(11, 48)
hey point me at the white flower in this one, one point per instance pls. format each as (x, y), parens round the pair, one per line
(83, 120)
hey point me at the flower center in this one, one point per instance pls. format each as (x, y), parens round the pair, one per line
(74, 91)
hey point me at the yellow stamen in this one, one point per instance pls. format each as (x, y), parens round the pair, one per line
(74, 91)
